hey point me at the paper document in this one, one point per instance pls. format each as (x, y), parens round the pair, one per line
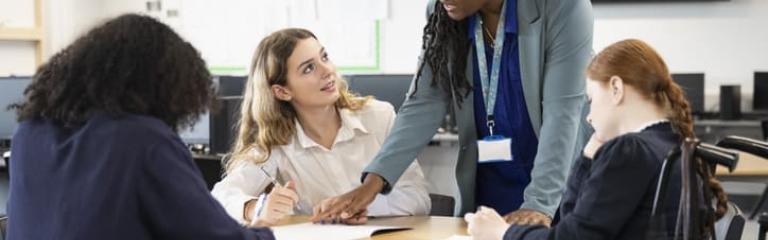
(312, 231)
(459, 237)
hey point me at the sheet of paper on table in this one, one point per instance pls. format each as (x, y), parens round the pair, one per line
(312, 231)
(459, 237)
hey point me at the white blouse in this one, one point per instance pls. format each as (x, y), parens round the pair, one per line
(321, 173)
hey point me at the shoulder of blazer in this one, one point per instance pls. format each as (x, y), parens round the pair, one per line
(430, 8)
(530, 10)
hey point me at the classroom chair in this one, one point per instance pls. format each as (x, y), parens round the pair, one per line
(689, 220)
(442, 205)
(3, 226)
(754, 147)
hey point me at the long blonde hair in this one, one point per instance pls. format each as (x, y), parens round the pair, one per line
(266, 121)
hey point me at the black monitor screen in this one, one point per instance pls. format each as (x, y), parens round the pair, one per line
(226, 86)
(760, 94)
(11, 91)
(223, 124)
(230, 85)
(693, 86)
(199, 133)
(386, 87)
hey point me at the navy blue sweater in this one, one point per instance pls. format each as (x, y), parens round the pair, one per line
(611, 197)
(111, 178)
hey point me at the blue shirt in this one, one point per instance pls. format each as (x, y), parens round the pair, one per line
(500, 185)
(111, 178)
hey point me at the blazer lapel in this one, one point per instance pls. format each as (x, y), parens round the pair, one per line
(530, 38)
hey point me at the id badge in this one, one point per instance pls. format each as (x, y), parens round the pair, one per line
(494, 148)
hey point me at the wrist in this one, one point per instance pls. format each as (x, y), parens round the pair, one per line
(374, 182)
(249, 209)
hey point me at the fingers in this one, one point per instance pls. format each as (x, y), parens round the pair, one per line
(354, 208)
(357, 219)
(320, 212)
(324, 213)
(469, 217)
(333, 209)
(288, 191)
(528, 217)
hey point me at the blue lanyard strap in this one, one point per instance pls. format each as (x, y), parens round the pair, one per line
(490, 85)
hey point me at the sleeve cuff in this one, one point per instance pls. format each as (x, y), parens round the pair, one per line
(533, 205)
(384, 190)
(237, 208)
(522, 232)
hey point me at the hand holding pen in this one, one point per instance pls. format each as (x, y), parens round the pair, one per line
(276, 205)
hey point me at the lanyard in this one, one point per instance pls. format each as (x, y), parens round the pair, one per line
(490, 85)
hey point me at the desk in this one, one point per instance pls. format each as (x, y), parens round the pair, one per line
(423, 227)
(750, 167)
(709, 131)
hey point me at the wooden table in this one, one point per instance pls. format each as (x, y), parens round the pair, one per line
(749, 166)
(423, 227)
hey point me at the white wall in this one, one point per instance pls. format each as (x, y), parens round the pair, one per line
(64, 20)
(401, 36)
(727, 41)
(17, 57)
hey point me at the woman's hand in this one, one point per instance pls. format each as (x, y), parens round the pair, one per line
(528, 217)
(351, 207)
(278, 204)
(486, 224)
(592, 146)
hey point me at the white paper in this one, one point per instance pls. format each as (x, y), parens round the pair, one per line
(459, 237)
(312, 231)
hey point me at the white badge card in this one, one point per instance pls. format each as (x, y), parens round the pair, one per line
(494, 149)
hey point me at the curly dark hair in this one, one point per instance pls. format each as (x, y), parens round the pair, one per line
(445, 45)
(132, 64)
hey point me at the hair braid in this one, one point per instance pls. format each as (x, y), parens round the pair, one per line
(445, 45)
(680, 117)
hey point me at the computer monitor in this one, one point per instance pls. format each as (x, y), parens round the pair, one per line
(223, 124)
(226, 86)
(693, 87)
(230, 85)
(199, 133)
(760, 94)
(11, 91)
(390, 88)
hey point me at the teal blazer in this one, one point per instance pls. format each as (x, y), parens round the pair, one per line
(555, 42)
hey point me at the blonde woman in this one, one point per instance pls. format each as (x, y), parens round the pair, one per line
(300, 125)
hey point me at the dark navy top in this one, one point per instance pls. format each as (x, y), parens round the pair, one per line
(611, 197)
(111, 178)
(500, 185)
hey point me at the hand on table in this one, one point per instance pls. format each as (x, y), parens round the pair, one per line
(351, 207)
(528, 217)
(486, 224)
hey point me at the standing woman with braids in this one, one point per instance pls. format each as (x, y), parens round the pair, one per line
(511, 71)
(639, 114)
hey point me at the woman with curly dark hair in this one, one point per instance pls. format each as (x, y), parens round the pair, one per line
(97, 155)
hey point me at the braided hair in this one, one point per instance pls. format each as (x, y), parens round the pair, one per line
(445, 45)
(640, 66)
